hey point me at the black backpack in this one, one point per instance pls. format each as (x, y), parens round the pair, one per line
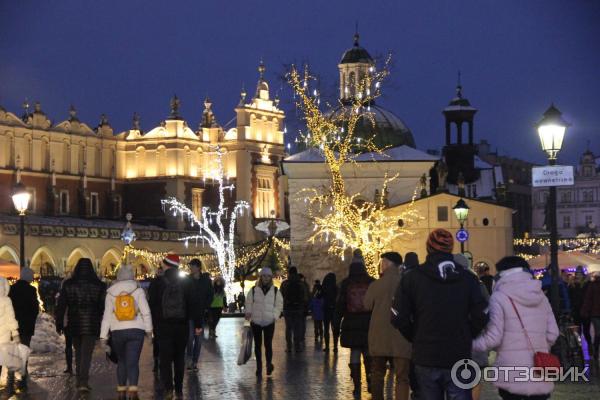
(173, 300)
(294, 295)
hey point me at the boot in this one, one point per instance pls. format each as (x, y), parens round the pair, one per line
(367, 362)
(121, 392)
(132, 393)
(355, 375)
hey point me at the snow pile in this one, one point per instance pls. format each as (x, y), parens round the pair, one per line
(46, 340)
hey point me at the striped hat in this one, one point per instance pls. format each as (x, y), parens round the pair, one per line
(172, 260)
(440, 241)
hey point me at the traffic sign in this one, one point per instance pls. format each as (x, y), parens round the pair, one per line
(462, 235)
(552, 175)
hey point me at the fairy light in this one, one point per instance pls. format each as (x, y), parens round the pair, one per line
(219, 238)
(335, 213)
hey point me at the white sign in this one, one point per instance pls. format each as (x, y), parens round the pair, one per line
(552, 175)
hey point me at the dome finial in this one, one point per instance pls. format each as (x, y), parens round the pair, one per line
(356, 35)
(458, 87)
(175, 103)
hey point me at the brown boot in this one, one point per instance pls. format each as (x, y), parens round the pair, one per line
(121, 392)
(355, 375)
(132, 393)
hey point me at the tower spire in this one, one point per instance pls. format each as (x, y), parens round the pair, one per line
(356, 35)
(458, 86)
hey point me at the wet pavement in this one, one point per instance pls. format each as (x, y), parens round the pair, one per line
(307, 375)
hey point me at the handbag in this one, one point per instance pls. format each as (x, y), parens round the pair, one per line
(246, 348)
(546, 361)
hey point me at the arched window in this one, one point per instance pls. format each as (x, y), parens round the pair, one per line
(66, 157)
(98, 161)
(140, 161)
(45, 154)
(161, 159)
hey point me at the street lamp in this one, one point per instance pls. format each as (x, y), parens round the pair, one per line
(461, 210)
(20, 200)
(551, 129)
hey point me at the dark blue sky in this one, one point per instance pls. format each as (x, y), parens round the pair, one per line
(117, 57)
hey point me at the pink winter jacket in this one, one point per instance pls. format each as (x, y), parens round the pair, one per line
(505, 335)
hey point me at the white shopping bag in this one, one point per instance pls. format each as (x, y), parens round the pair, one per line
(14, 356)
(246, 348)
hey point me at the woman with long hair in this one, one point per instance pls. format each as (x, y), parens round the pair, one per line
(329, 292)
(219, 303)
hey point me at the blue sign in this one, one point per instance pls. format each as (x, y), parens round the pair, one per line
(462, 235)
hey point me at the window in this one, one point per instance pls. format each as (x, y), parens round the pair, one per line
(472, 191)
(587, 171)
(543, 197)
(64, 202)
(565, 197)
(265, 198)
(197, 202)
(566, 221)
(32, 203)
(589, 220)
(588, 195)
(94, 204)
(442, 214)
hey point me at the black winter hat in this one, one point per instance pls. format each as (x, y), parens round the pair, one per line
(512, 262)
(393, 257)
(411, 260)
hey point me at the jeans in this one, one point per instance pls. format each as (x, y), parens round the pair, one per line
(509, 396)
(194, 344)
(172, 339)
(214, 316)
(379, 370)
(318, 325)
(84, 348)
(128, 345)
(435, 383)
(261, 333)
(293, 329)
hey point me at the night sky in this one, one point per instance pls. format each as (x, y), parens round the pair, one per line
(117, 57)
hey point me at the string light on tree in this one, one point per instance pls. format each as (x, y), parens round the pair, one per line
(211, 224)
(340, 219)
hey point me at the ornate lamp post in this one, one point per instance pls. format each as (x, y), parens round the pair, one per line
(20, 200)
(461, 210)
(551, 129)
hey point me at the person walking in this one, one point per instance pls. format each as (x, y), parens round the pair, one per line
(218, 304)
(385, 341)
(264, 306)
(127, 318)
(330, 322)
(316, 309)
(66, 332)
(9, 327)
(486, 278)
(203, 291)
(154, 283)
(439, 309)
(355, 318)
(591, 309)
(26, 307)
(521, 323)
(411, 261)
(82, 300)
(295, 302)
(172, 305)
(577, 289)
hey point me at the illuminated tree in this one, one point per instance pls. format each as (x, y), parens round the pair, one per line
(211, 224)
(340, 219)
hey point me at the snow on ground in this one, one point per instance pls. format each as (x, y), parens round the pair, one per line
(46, 340)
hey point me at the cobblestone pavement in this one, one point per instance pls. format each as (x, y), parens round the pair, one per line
(308, 375)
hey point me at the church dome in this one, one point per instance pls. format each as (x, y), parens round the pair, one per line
(356, 54)
(383, 126)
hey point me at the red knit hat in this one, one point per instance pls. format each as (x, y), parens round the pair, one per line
(440, 241)
(172, 260)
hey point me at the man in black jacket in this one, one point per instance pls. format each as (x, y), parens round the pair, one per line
(173, 306)
(82, 299)
(202, 289)
(295, 301)
(25, 303)
(439, 308)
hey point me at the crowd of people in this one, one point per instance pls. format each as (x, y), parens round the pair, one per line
(417, 320)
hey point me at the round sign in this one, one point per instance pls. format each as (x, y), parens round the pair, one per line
(462, 235)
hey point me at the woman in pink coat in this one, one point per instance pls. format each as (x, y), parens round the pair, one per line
(505, 335)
